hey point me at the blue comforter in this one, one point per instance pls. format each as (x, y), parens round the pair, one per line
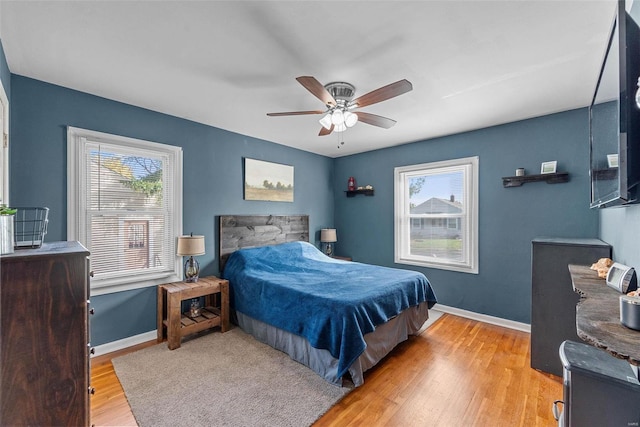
(331, 303)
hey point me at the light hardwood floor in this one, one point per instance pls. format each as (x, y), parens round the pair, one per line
(459, 372)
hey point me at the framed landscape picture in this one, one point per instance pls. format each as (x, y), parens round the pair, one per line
(267, 181)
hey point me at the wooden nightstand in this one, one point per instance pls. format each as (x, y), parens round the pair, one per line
(178, 325)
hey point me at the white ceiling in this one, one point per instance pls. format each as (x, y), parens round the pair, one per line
(473, 64)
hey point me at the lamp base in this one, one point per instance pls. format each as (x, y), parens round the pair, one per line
(191, 270)
(328, 249)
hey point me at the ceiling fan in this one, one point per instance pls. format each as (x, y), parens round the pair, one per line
(337, 97)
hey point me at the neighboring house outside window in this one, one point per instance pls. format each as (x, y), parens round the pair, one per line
(446, 227)
(436, 215)
(125, 205)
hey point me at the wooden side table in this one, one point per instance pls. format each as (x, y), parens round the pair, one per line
(178, 325)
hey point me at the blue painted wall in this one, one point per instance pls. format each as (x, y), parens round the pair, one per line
(213, 180)
(620, 227)
(509, 218)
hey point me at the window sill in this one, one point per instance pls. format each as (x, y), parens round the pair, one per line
(449, 267)
(111, 287)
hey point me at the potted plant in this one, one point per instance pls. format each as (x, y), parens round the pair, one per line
(6, 229)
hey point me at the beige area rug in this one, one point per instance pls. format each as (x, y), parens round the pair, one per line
(227, 379)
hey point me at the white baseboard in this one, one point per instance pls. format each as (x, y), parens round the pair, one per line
(124, 343)
(152, 335)
(524, 327)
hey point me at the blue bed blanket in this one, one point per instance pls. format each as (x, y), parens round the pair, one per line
(332, 303)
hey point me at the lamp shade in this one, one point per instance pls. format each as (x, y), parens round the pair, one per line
(337, 117)
(328, 235)
(350, 119)
(190, 245)
(326, 121)
(340, 128)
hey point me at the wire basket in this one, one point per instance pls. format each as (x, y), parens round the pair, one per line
(30, 227)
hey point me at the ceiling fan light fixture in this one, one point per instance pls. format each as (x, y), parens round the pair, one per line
(338, 100)
(350, 119)
(325, 121)
(337, 117)
(340, 127)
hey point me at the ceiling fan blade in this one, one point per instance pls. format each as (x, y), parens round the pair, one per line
(324, 131)
(375, 120)
(317, 89)
(295, 113)
(382, 94)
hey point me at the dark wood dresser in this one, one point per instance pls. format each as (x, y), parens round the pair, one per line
(44, 336)
(553, 301)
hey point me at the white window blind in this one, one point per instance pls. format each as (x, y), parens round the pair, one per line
(128, 208)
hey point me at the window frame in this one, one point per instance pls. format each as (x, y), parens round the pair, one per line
(77, 142)
(4, 148)
(402, 219)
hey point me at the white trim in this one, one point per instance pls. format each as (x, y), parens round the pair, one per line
(4, 191)
(152, 335)
(77, 143)
(125, 343)
(485, 318)
(110, 287)
(402, 225)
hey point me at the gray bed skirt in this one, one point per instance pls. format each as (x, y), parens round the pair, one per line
(379, 343)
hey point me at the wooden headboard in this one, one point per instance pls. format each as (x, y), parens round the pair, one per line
(250, 231)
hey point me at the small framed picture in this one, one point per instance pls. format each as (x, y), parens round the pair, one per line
(549, 167)
(612, 160)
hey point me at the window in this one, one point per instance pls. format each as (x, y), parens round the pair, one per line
(4, 147)
(436, 215)
(125, 206)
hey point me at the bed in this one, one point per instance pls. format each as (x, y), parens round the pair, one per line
(336, 317)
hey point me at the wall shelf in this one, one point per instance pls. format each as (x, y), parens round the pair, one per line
(550, 178)
(353, 193)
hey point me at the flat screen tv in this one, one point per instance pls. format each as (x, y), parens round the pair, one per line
(614, 117)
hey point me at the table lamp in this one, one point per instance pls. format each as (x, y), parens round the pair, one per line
(328, 237)
(191, 246)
